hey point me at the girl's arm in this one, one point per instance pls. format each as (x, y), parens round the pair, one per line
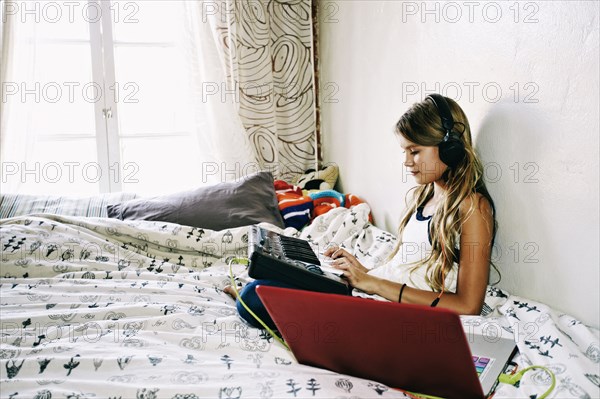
(473, 271)
(475, 253)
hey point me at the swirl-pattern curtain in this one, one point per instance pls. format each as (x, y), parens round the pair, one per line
(266, 48)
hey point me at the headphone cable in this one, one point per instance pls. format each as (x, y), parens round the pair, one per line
(513, 379)
(244, 261)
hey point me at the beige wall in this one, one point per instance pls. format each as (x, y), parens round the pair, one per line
(526, 74)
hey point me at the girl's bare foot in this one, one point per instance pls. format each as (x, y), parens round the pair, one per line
(229, 290)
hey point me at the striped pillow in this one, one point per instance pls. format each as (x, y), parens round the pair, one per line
(24, 204)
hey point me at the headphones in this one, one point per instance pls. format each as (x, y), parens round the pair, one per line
(451, 148)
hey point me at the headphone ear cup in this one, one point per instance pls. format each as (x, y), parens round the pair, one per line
(451, 151)
(452, 148)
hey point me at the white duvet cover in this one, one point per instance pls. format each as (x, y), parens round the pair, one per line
(98, 308)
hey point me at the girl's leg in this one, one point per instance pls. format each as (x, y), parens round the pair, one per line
(250, 298)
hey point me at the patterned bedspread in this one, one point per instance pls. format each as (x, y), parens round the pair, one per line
(97, 307)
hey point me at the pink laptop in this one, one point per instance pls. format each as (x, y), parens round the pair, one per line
(410, 347)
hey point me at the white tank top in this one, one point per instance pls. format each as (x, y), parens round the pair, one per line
(416, 246)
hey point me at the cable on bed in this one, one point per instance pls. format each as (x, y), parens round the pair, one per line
(513, 379)
(414, 395)
(244, 261)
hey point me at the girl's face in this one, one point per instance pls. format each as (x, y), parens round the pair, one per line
(422, 162)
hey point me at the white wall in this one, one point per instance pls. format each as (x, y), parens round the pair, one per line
(538, 138)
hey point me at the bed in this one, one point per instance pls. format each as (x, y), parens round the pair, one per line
(98, 307)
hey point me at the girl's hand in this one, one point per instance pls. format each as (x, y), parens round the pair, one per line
(358, 278)
(340, 256)
(354, 271)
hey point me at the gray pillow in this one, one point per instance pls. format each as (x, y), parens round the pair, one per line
(249, 200)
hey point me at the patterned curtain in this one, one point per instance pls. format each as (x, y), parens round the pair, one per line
(266, 47)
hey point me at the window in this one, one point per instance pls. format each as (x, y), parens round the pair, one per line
(99, 99)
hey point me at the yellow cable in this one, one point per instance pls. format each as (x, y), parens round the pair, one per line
(420, 395)
(513, 379)
(239, 298)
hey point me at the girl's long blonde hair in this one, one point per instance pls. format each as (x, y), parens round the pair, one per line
(422, 125)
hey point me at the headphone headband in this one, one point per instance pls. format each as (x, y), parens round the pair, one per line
(444, 110)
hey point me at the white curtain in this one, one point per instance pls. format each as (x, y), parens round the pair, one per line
(225, 146)
(17, 66)
(6, 47)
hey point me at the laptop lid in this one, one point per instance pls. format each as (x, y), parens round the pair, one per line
(415, 348)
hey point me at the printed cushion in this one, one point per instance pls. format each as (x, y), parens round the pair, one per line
(322, 179)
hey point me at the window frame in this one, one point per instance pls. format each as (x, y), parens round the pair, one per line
(106, 111)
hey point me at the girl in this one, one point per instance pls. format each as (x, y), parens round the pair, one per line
(448, 229)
